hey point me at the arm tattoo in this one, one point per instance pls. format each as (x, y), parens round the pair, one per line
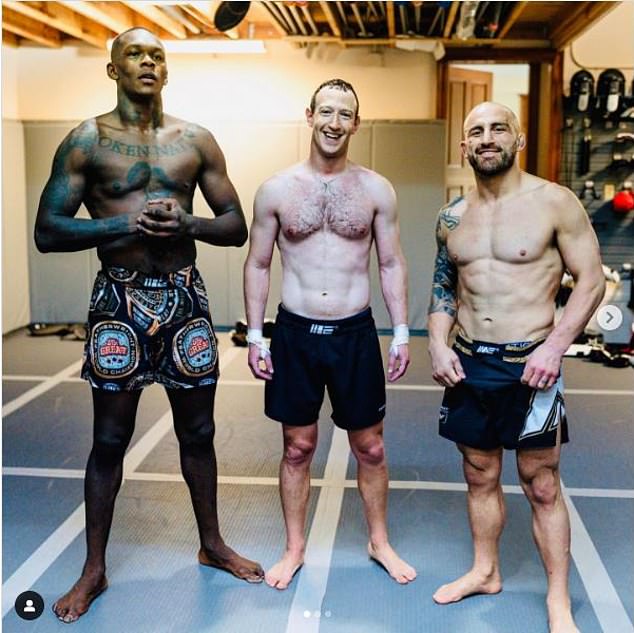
(445, 281)
(59, 193)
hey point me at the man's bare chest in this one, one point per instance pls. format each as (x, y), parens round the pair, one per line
(344, 210)
(509, 239)
(122, 164)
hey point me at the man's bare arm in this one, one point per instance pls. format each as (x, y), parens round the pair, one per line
(257, 270)
(56, 227)
(443, 304)
(392, 265)
(229, 227)
(579, 249)
(392, 274)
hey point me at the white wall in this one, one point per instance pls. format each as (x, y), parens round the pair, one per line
(15, 272)
(607, 44)
(10, 109)
(15, 279)
(209, 89)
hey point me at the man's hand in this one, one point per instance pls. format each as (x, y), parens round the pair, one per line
(164, 217)
(256, 360)
(542, 367)
(446, 367)
(398, 362)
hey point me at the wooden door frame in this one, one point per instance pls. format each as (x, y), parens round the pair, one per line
(540, 61)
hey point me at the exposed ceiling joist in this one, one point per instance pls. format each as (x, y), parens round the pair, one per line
(26, 27)
(274, 18)
(524, 24)
(10, 39)
(391, 20)
(588, 14)
(59, 17)
(156, 15)
(451, 18)
(330, 17)
(516, 11)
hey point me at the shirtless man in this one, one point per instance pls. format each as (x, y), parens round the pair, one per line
(136, 170)
(502, 250)
(324, 214)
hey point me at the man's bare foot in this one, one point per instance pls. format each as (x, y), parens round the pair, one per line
(281, 574)
(72, 605)
(393, 564)
(468, 585)
(225, 558)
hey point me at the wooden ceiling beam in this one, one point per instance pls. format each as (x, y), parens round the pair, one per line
(330, 17)
(451, 18)
(516, 11)
(10, 39)
(158, 17)
(274, 18)
(206, 21)
(391, 20)
(19, 24)
(113, 15)
(63, 19)
(588, 15)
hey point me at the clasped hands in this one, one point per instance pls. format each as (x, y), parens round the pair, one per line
(163, 217)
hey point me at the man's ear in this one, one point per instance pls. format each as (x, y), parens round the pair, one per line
(309, 117)
(112, 71)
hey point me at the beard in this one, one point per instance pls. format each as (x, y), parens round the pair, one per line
(493, 167)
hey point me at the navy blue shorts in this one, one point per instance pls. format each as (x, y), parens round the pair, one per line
(149, 328)
(492, 408)
(310, 355)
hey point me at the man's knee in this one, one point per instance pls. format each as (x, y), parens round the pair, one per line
(371, 451)
(299, 452)
(543, 487)
(481, 470)
(196, 434)
(111, 445)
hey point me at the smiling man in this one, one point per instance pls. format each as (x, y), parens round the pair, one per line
(136, 169)
(502, 250)
(325, 214)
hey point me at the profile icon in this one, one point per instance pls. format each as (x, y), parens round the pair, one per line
(29, 605)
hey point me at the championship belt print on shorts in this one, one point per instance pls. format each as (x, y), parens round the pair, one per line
(104, 298)
(194, 348)
(115, 349)
(152, 309)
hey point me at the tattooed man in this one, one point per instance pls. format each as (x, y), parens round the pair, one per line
(501, 253)
(135, 169)
(325, 213)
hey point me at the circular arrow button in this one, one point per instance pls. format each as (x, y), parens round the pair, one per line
(609, 318)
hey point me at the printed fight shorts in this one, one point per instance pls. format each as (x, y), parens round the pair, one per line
(491, 407)
(310, 355)
(149, 328)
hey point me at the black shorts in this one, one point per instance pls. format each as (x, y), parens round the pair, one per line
(149, 328)
(309, 355)
(492, 408)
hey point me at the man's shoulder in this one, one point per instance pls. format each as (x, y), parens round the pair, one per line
(276, 186)
(189, 129)
(455, 207)
(548, 193)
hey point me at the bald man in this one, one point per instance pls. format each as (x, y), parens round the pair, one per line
(136, 169)
(502, 249)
